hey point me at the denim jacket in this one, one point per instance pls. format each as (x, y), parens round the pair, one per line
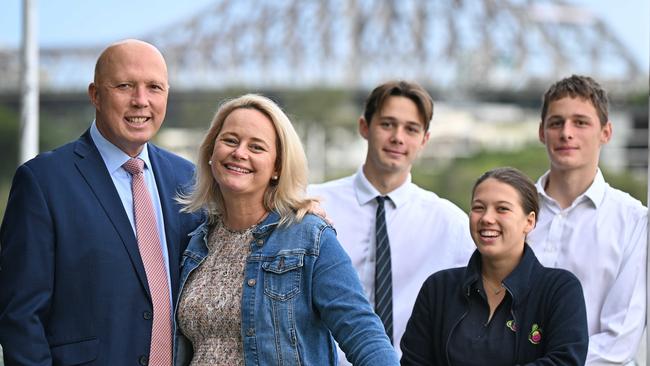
(299, 290)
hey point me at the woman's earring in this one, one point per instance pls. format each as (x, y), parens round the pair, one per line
(209, 162)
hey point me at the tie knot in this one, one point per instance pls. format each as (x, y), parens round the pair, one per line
(134, 166)
(381, 199)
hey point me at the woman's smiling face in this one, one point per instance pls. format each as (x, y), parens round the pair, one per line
(498, 223)
(244, 154)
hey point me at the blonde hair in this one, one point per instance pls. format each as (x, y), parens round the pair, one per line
(286, 195)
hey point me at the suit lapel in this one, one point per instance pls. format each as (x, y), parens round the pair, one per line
(167, 189)
(92, 168)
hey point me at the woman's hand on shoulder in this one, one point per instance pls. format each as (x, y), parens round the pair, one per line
(315, 208)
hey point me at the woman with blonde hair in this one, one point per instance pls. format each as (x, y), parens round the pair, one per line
(264, 282)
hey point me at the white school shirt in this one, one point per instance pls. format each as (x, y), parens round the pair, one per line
(426, 234)
(601, 238)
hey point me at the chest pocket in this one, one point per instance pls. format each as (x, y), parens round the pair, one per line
(282, 276)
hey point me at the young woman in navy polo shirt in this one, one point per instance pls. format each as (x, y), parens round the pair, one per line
(504, 308)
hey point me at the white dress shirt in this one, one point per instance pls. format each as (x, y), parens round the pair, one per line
(601, 238)
(114, 158)
(426, 234)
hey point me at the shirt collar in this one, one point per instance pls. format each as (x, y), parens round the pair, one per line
(113, 157)
(518, 282)
(366, 192)
(595, 193)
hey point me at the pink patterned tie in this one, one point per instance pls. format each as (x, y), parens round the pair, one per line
(160, 353)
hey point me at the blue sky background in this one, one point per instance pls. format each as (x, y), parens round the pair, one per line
(92, 22)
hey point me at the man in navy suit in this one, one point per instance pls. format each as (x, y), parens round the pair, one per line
(73, 287)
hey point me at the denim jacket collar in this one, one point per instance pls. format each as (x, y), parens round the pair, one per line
(263, 229)
(201, 229)
(518, 282)
(267, 225)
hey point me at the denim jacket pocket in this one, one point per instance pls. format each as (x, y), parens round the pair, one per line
(282, 276)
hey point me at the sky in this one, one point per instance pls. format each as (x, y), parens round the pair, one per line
(95, 22)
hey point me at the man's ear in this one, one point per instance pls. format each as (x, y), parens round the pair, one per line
(364, 128)
(606, 133)
(425, 139)
(540, 133)
(93, 94)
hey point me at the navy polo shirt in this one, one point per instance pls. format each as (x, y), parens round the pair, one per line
(475, 341)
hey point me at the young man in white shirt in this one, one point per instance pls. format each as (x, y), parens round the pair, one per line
(425, 232)
(587, 227)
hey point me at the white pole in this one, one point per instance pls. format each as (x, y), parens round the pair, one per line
(29, 83)
(647, 267)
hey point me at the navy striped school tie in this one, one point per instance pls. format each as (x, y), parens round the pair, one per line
(383, 273)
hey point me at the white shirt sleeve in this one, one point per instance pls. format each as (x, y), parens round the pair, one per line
(623, 315)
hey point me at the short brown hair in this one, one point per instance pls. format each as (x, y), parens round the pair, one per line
(400, 88)
(578, 86)
(517, 180)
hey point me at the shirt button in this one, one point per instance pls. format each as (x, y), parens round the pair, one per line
(250, 332)
(143, 360)
(251, 282)
(147, 315)
(260, 242)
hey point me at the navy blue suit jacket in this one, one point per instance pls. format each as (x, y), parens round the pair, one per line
(73, 289)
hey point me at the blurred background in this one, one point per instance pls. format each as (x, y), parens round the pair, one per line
(486, 63)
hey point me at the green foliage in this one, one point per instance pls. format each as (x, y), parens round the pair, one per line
(4, 196)
(196, 109)
(455, 180)
(634, 185)
(331, 107)
(9, 122)
(62, 121)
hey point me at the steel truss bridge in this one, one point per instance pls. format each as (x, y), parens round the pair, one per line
(449, 44)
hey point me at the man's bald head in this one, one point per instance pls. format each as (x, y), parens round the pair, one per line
(130, 93)
(120, 49)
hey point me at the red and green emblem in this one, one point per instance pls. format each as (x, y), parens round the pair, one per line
(535, 335)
